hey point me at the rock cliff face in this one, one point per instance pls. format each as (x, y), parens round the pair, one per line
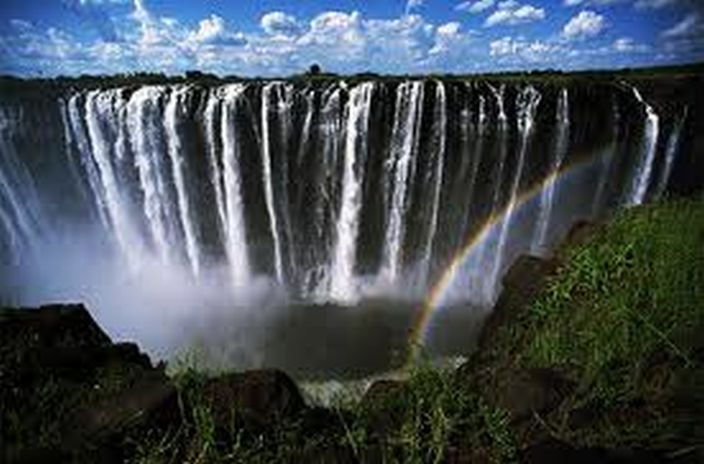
(334, 188)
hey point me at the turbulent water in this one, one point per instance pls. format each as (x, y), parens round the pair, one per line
(319, 192)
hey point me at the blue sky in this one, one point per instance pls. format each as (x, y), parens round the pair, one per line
(282, 37)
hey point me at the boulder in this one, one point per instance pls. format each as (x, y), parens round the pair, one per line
(384, 403)
(152, 401)
(257, 398)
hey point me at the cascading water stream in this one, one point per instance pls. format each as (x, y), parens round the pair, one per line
(436, 179)
(650, 141)
(173, 112)
(527, 103)
(484, 288)
(144, 117)
(235, 236)
(18, 198)
(342, 269)
(562, 121)
(670, 153)
(404, 144)
(267, 179)
(212, 121)
(100, 120)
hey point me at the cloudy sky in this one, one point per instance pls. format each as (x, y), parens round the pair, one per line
(281, 37)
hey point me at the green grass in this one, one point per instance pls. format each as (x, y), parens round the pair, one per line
(620, 318)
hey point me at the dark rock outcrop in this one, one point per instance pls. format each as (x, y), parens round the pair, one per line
(68, 394)
(257, 398)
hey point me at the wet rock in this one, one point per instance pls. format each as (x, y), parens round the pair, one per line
(258, 398)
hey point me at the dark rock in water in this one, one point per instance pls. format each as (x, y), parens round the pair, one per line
(258, 398)
(521, 284)
(526, 391)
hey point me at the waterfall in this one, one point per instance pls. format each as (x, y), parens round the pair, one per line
(212, 121)
(69, 143)
(100, 120)
(172, 116)
(268, 179)
(435, 177)
(475, 155)
(562, 121)
(404, 144)
(670, 153)
(485, 286)
(527, 103)
(641, 181)
(20, 211)
(342, 278)
(80, 138)
(235, 236)
(607, 160)
(329, 190)
(307, 124)
(144, 117)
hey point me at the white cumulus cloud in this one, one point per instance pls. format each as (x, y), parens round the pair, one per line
(475, 6)
(584, 25)
(280, 23)
(213, 30)
(520, 49)
(511, 12)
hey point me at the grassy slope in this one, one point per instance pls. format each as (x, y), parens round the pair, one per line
(624, 319)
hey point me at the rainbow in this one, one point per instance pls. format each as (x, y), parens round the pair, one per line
(434, 297)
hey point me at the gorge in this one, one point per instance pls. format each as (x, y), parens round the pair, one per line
(264, 214)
